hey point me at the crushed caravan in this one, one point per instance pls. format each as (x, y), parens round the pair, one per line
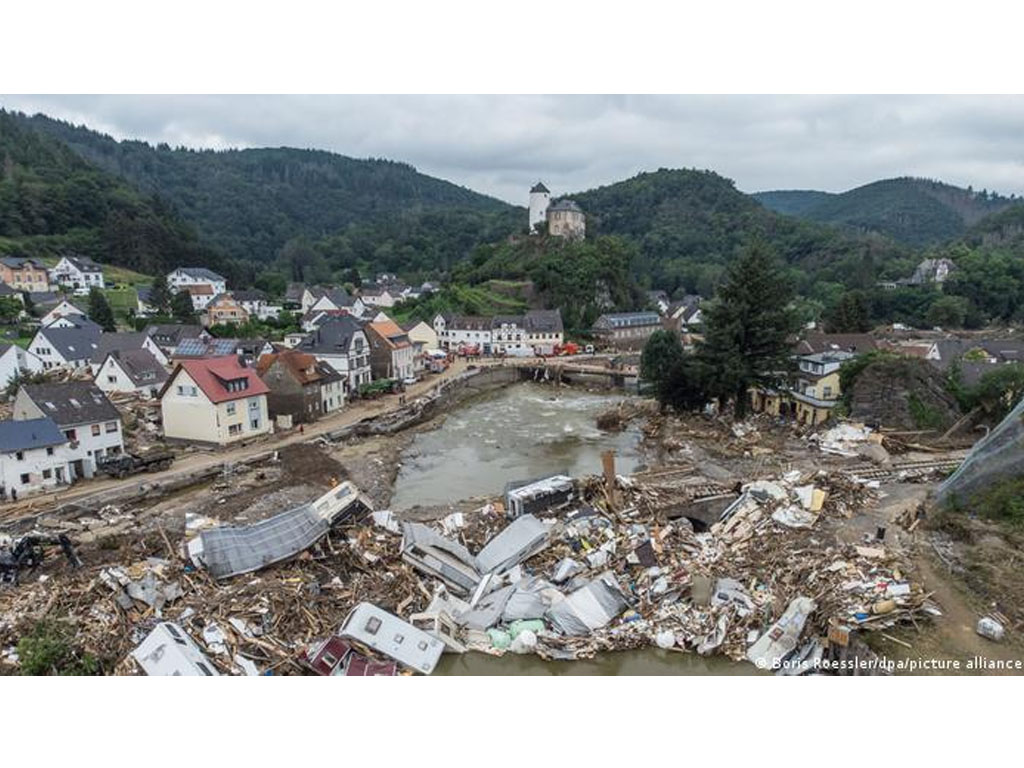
(541, 495)
(446, 559)
(231, 550)
(169, 651)
(397, 639)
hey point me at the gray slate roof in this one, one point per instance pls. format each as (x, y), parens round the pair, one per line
(201, 273)
(141, 366)
(332, 336)
(31, 433)
(117, 342)
(74, 343)
(566, 205)
(72, 403)
(543, 321)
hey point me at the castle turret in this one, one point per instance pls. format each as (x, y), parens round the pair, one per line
(540, 198)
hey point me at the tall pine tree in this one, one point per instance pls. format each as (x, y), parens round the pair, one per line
(160, 295)
(748, 327)
(181, 307)
(100, 311)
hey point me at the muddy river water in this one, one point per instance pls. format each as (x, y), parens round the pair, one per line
(516, 433)
(526, 431)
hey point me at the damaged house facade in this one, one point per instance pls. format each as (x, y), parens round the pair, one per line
(341, 342)
(89, 421)
(216, 401)
(300, 386)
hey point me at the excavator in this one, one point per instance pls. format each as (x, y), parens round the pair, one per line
(27, 553)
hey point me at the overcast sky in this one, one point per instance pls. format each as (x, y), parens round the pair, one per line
(501, 145)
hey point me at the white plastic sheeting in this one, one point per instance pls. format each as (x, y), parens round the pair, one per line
(782, 637)
(590, 607)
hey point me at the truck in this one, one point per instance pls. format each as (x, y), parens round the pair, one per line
(568, 348)
(125, 464)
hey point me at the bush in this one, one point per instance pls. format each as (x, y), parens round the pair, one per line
(48, 650)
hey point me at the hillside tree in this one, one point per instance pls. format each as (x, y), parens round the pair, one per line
(748, 327)
(100, 311)
(160, 295)
(181, 307)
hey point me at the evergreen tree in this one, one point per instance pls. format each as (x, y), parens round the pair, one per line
(181, 307)
(850, 314)
(160, 295)
(748, 327)
(662, 352)
(100, 311)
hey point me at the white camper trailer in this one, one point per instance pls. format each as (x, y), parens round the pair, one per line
(386, 633)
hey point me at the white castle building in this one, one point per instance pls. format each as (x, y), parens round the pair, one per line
(564, 218)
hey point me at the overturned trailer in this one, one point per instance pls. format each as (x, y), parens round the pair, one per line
(232, 550)
(536, 496)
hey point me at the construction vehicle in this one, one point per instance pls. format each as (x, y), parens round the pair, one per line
(27, 553)
(124, 464)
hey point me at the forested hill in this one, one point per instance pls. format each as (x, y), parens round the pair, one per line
(689, 223)
(249, 203)
(52, 201)
(909, 210)
(792, 202)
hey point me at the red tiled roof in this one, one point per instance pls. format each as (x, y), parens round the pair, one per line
(212, 374)
(389, 331)
(201, 289)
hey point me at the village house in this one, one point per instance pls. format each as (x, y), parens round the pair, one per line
(183, 277)
(292, 340)
(15, 361)
(24, 274)
(456, 332)
(124, 342)
(225, 308)
(131, 370)
(65, 347)
(79, 274)
(215, 401)
(391, 352)
(33, 457)
(375, 295)
(247, 350)
(201, 295)
(63, 309)
(330, 299)
(341, 343)
(543, 329)
(301, 386)
(83, 413)
(169, 336)
(813, 342)
(685, 315)
(256, 304)
(508, 335)
(626, 329)
(423, 338)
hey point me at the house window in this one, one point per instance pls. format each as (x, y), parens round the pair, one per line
(372, 625)
(111, 427)
(254, 404)
(255, 423)
(111, 378)
(230, 409)
(49, 451)
(24, 479)
(95, 430)
(71, 434)
(20, 456)
(234, 429)
(47, 474)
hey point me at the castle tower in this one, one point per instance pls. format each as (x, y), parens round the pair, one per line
(540, 198)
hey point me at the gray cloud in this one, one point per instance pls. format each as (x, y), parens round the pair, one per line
(502, 144)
